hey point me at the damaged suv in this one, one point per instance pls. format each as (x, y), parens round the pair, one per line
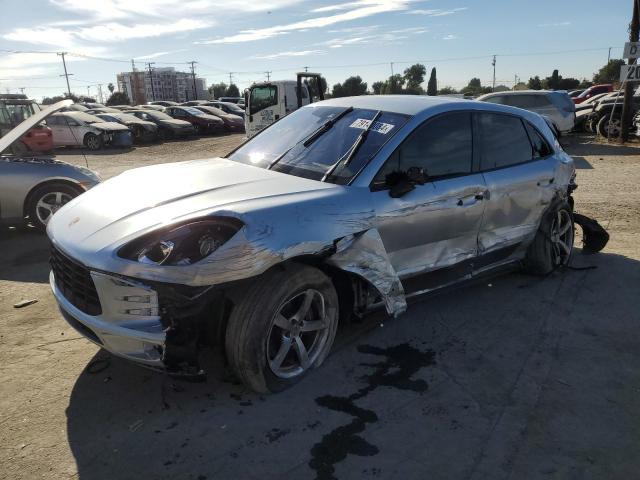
(341, 207)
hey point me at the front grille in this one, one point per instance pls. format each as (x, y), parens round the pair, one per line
(75, 283)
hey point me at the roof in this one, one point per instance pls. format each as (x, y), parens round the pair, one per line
(405, 104)
(523, 92)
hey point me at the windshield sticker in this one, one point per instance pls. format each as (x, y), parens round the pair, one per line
(379, 127)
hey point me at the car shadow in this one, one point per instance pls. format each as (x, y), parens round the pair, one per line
(451, 365)
(582, 163)
(25, 255)
(83, 151)
(583, 144)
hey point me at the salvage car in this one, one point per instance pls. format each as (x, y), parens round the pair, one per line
(14, 109)
(142, 130)
(232, 123)
(227, 107)
(168, 127)
(555, 105)
(33, 188)
(203, 122)
(341, 207)
(81, 129)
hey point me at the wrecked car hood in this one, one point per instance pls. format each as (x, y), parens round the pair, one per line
(149, 197)
(110, 126)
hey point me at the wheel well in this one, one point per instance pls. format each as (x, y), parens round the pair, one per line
(29, 197)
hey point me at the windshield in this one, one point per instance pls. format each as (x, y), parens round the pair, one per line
(13, 114)
(158, 115)
(213, 111)
(285, 139)
(192, 111)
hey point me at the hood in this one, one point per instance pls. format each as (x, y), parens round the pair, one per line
(210, 118)
(110, 126)
(176, 123)
(143, 199)
(33, 120)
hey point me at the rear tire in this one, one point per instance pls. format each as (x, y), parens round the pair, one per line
(272, 339)
(608, 128)
(553, 243)
(47, 200)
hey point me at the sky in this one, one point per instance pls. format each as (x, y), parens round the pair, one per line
(370, 38)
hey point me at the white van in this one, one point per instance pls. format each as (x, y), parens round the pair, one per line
(267, 102)
(557, 106)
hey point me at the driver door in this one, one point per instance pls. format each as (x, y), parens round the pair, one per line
(436, 225)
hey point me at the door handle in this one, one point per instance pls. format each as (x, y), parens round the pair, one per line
(480, 196)
(546, 182)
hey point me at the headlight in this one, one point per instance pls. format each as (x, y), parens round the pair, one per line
(182, 244)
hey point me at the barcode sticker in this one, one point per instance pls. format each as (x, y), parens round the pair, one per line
(379, 127)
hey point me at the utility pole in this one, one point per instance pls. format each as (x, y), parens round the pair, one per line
(391, 63)
(634, 30)
(22, 90)
(133, 65)
(88, 89)
(268, 74)
(609, 56)
(493, 89)
(66, 75)
(306, 69)
(100, 93)
(230, 78)
(193, 76)
(153, 92)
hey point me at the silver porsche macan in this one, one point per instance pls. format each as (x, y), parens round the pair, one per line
(341, 207)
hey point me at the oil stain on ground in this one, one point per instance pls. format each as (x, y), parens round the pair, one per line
(398, 365)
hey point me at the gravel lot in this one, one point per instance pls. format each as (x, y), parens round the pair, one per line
(515, 377)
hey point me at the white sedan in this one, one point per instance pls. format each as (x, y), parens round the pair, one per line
(82, 129)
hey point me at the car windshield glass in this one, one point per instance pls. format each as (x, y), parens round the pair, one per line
(157, 115)
(86, 118)
(283, 142)
(125, 117)
(192, 110)
(213, 111)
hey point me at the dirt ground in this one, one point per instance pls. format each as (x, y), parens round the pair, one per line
(516, 377)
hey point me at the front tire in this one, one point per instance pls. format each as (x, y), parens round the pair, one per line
(609, 128)
(93, 141)
(553, 244)
(282, 327)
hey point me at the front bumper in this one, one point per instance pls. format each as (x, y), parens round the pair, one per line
(128, 325)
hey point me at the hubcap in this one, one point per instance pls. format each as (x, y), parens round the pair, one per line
(299, 331)
(50, 204)
(613, 128)
(561, 237)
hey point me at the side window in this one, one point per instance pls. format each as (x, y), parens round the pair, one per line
(503, 141)
(540, 146)
(497, 99)
(442, 147)
(52, 121)
(263, 97)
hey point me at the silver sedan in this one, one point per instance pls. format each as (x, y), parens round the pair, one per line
(341, 207)
(36, 187)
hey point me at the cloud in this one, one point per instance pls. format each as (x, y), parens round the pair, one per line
(128, 9)
(361, 10)
(450, 37)
(106, 33)
(297, 53)
(557, 24)
(392, 36)
(158, 54)
(435, 12)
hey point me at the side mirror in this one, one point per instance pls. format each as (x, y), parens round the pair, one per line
(400, 182)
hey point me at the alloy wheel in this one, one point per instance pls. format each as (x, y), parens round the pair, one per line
(299, 331)
(49, 204)
(561, 237)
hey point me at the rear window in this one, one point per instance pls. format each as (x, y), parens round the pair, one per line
(503, 141)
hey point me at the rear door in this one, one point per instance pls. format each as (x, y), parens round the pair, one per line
(436, 225)
(519, 177)
(61, 130)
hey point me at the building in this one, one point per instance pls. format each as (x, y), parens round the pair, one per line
(162, 84)
(133, 85)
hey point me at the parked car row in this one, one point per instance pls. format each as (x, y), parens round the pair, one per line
(602, 113)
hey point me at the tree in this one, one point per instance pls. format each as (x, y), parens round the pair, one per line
(432, 86)
(520, 86)
(552, 82)
(232, 91)
(475, 88)
(118, 98)
(568, 83)
(111, 87)
(414, 77)
(393, 85)
(57, 98)
(535, 83)
(585, 83)
(218, 90)
(352, 86)
(609, 73)
(377, 87)
(447, 91)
